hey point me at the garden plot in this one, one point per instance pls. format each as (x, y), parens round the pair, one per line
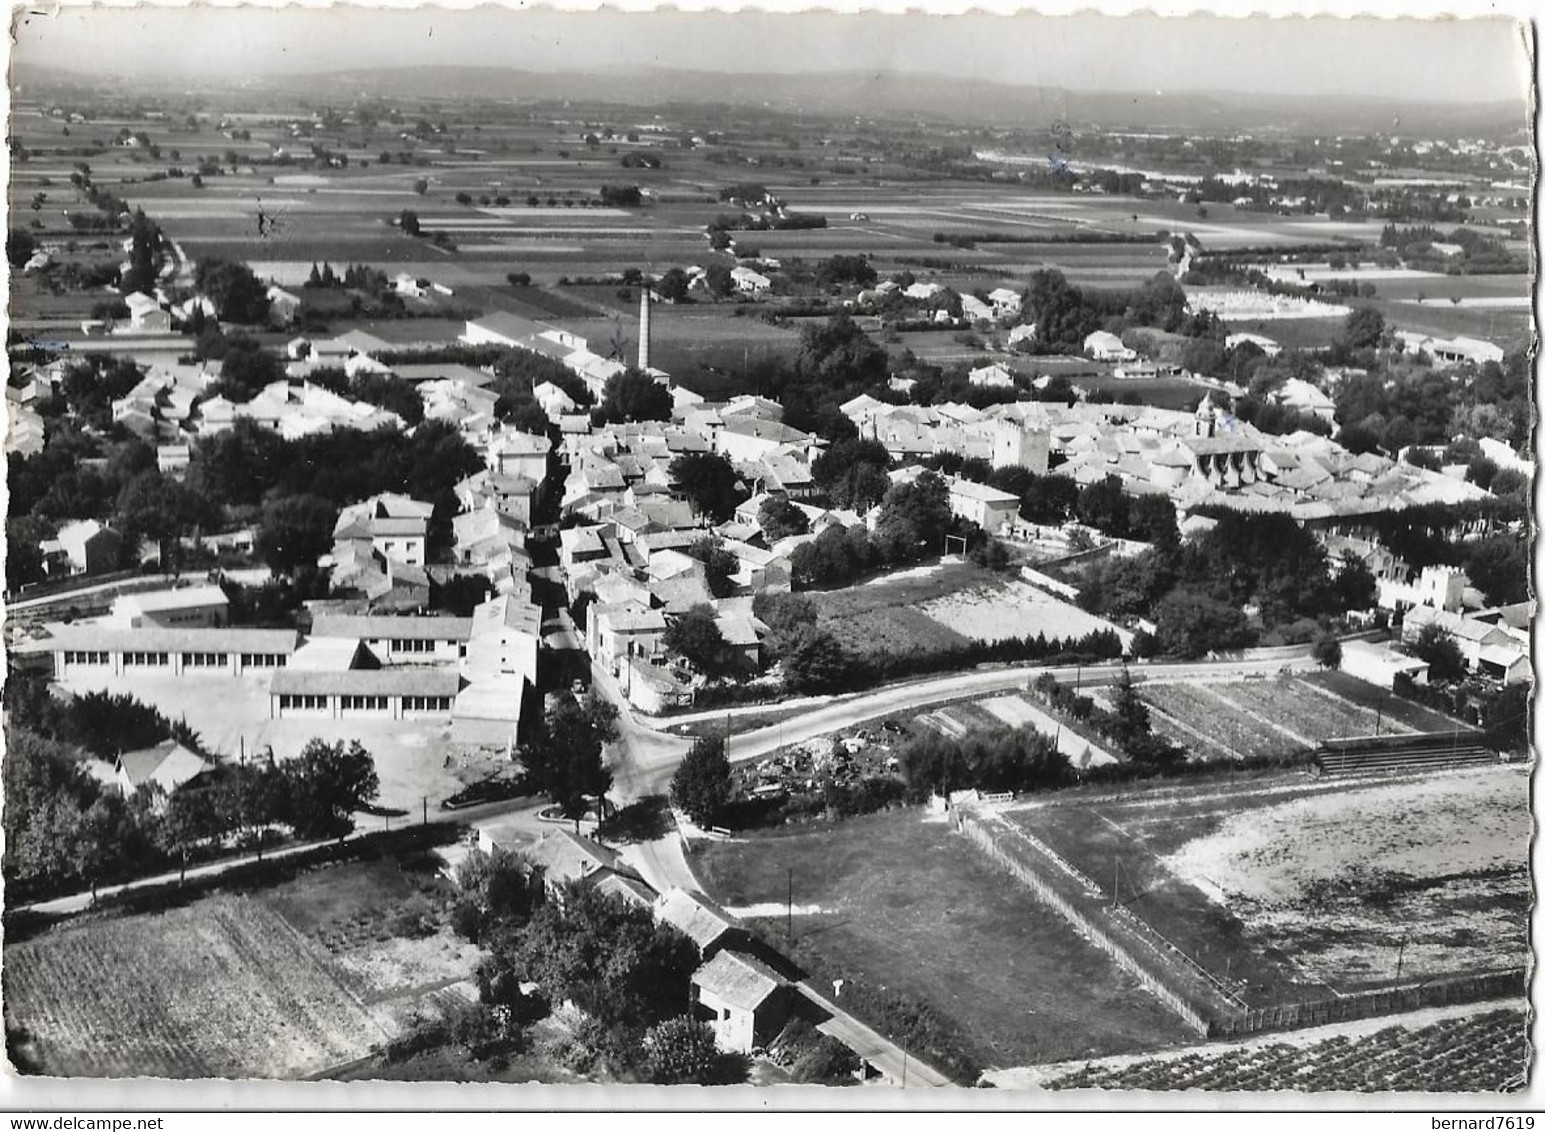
(1015, 609)
(1244, 718)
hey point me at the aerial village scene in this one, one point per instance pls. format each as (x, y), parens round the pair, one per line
(535, 575)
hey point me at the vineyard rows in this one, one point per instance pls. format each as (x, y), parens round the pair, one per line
(1475, 1054)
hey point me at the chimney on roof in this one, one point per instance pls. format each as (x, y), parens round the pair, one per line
(643, 327)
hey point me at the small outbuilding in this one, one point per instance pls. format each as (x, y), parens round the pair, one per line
(743, 999)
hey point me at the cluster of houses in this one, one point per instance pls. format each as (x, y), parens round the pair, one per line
(934, 300)
(737, 989)
(1205, 457)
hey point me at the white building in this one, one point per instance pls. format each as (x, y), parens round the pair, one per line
(987, 507)
(993, 375)
(1104, 346)
(748, 281)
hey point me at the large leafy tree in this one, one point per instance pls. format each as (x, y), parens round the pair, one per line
(701, 785)
(238, 294)
(563, 758)
(326, 783)
(1326, 650)
(852, 473)
(695, 637)
(1190, 624)
(246, 369)
(914, 518)
(1363, 329)
(718, 564)
(682, 1051)
(780, 519)
(613, 961)
(838, 353)
(994, 759)
(1436, 646)
(162, 510)
(1499, 567)
(493, 892)
(1354, 585)
(295, 531)
(709, 482)
(634, 396)
(814, 661)
(1057, 310)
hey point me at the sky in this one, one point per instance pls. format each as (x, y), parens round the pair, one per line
(1473, 60)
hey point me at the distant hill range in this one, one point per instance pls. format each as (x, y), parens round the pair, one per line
(870, 94)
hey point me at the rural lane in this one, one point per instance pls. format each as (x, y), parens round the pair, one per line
(917, 695)
(368, 824)
(644, 758)
(890, 1059)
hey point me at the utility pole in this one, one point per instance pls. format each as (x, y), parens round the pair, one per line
(426, 809)
(1378, 721)
(1115, 888)
(1400, 957)
(788, 920)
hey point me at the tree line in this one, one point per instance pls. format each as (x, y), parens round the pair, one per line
(64, 827)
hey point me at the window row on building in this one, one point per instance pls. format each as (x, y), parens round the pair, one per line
(263, 660)
(364, 703)
(426, 703)
(414, 644)
(72, 657)
(297, 702)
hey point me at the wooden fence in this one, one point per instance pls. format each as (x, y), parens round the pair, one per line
(1043, 891)
(1376, 1003)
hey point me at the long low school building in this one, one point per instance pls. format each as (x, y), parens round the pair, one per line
(401, 640)
(80, 649)
(383, 693)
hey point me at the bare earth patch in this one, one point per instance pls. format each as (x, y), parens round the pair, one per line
(1404, 876)
(1015, 609)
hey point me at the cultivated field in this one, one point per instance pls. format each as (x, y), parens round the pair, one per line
(1485, 1051)
(903, 901)
(1246, 718)
(1294, 889)
(280, 984)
